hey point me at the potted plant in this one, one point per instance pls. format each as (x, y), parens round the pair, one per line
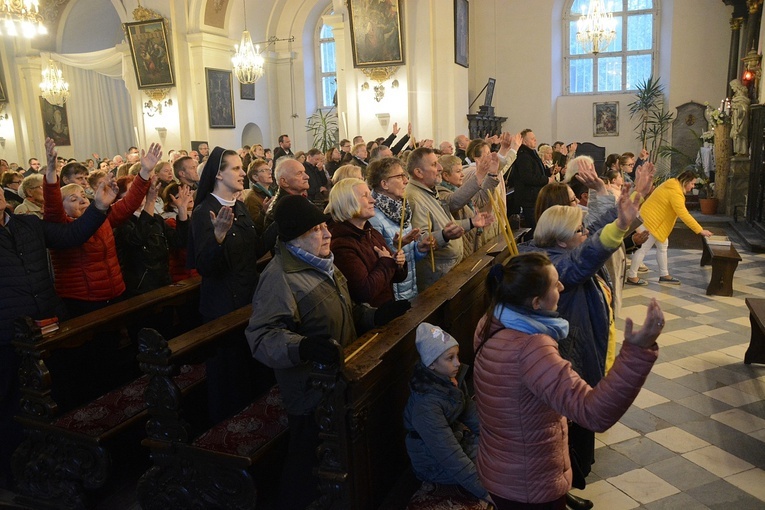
(707, 201)
(654, 120)
(323, 127)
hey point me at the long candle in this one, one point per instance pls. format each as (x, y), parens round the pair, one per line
(432, 256)
(401, 228)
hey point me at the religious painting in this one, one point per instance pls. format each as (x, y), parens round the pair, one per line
(55, 122)
(247, 91)
(151, 54)
(220, 98)
(461, 53)
(605, 120)
(377, 37)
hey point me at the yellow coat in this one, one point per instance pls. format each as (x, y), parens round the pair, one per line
(662, 208)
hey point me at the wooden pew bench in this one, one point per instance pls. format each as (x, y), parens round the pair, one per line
(224, 466)
(756, 351)
(724, 260)
(68, 446)
(363, 452)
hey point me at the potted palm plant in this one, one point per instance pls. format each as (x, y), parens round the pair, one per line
(323, 127)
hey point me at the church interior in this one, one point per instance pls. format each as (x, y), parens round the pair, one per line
(161, 71)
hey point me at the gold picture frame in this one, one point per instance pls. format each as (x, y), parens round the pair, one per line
(377, 37)
(151, 54)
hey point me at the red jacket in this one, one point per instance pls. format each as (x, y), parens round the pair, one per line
(91, 272)
(522, 388)
(370, 277)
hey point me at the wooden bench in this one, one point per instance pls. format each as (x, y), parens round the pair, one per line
(724, 260)
(756, 351)
(360, 416)
(65, 447)
(218, 468)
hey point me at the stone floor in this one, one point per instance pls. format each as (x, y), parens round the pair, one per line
(695, 436)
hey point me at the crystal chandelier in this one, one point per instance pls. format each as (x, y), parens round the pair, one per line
(597, 28)
(21, 17)
(53, 87)
(247, 61)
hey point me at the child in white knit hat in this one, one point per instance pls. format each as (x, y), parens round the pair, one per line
(440, 417)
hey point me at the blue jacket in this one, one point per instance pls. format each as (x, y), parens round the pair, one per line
(582, 304)
(442, 430)
(407, 289)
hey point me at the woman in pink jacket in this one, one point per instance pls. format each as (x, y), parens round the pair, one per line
(524, 388)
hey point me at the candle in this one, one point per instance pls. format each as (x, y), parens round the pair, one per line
(432, 256)
(401, 228)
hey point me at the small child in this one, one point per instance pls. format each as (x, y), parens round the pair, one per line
(440, 417)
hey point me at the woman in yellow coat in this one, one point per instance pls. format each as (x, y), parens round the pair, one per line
(659, 213)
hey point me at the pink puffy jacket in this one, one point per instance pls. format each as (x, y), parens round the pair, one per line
(522, 388)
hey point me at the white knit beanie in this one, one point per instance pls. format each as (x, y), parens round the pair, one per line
(432, 341)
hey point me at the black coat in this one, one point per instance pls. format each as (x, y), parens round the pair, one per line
(280, 153)
(316, 179)
(229, 273)
(26, 285)
(528, 176)
(143, 247)
(12, 199)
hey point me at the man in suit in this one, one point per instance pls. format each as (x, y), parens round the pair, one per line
(284, 149)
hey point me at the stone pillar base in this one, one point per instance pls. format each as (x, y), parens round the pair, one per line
(737, 188)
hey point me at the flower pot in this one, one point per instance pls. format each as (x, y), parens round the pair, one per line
(708, 205)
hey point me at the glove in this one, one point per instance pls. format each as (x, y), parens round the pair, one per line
(390, 310)
(321, 349)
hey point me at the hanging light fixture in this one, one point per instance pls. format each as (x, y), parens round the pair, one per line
(247, 61)
(53, 87)
(597, 29)
(21, 17)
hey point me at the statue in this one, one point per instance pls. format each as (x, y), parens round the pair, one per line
(739, 118)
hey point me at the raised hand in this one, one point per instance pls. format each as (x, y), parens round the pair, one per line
(396, 129)
(646, 336)
(150, 159)
(106, 193)
(52, 155)
(628, 208)
(453, 231)
(222, 222)
(587, 175)
(482, 219)
(488, 164)
(644, 178)
(640, 237)
(408, 238)
(644, 154)
(181, 202)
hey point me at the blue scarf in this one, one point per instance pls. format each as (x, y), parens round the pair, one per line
(325, 265)
(532, 321)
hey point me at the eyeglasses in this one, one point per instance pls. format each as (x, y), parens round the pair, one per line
(581, 230)
(15, 182)
(402, 175)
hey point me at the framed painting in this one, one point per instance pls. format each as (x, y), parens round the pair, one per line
(461, 53)
(247, 91)
(151, 54)
(3, 97)
(55, 122)
(377, 37)
(220, 98)
(605, 119)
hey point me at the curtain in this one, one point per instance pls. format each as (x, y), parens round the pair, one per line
(99, 108)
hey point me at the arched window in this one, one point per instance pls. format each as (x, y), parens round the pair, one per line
(326, 62)
(624, 63)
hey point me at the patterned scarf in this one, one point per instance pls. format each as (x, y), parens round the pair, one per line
(325, 265)
(391, 208)
(532, 321)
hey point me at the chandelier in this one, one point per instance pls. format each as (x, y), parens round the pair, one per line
(380, 75)
(53, 87)
(21, 17)
(247, 61)
(157, 99)
(597, 28)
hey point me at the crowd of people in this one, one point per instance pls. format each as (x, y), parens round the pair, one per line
(354, 234)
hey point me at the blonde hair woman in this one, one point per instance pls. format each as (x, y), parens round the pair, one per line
(345, 172)
(360, 251)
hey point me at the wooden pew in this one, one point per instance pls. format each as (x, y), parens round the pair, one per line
(724, 260)
(219, 467)
(755, 353)
(65, 448)
(362, 452)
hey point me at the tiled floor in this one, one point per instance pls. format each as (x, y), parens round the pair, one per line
(695, 436)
